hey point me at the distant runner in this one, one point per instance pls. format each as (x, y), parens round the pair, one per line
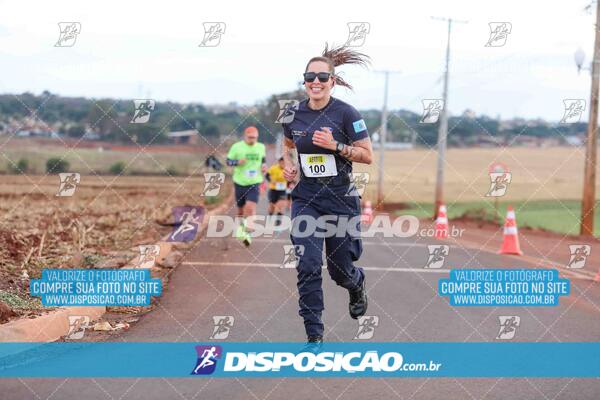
(277, 190)
(248, 159)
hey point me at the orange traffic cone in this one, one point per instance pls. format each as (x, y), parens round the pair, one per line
(441, 224)
(367, 213)
(510, 244)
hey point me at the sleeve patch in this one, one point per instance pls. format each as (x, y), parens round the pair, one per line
(359, 126)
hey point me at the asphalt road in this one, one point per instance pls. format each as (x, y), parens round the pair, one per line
(220, 277)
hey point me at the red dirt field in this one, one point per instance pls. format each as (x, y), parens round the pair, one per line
(100, 226)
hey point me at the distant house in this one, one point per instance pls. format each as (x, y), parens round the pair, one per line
(47, 134)
(534, 141)
(91, 135)
(486, 140)
(38, 133)
(184, 137)
(526, 141)
(549, 142)
(574, 140)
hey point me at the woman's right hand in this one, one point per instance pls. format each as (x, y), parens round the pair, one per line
(289, 173)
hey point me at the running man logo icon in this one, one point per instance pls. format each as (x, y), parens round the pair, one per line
(212, 34)
(68, 34)
(499, 183)
(207, 359)
(68, 183)
(143, 108)
(212, 183)
(579, 255)
(291, 254)
(432, 109)
(148, 254)
(508, 326)
(77, 326)
(188, 220)
(366, 327)
(499, 32)
(358, 183)
(287, 110)
(437, 255)
(574, 109)
(223, 324)
(357, 33)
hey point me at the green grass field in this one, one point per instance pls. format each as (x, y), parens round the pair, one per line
(545, 190)
(556, 216)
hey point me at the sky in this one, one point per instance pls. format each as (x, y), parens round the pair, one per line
(151, 49)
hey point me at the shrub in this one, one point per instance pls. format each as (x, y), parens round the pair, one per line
(22, 167)
(56, 165)
(171, 170)
(117, 168)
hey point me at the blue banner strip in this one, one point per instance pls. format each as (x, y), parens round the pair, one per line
(339, 359)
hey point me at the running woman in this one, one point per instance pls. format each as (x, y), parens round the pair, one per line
(277, 190)
(328, 135)
(248, 159)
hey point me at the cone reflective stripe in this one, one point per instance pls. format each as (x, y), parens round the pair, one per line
(441, 224)
(367, 213)
(510, 242)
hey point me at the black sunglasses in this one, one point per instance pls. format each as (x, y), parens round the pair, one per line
(323, 76)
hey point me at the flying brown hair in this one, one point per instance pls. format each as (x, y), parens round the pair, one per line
(336, 56)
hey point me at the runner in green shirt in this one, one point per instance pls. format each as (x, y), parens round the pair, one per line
(248, 159)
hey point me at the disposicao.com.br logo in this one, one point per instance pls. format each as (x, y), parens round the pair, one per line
(242, 363)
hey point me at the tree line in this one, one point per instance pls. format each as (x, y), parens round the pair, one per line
(110, 120)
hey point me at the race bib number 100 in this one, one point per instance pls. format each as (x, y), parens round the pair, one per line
(317, 165)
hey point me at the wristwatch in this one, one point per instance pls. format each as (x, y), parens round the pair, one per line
(339, 147)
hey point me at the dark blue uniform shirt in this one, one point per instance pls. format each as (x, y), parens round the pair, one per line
(344, 121)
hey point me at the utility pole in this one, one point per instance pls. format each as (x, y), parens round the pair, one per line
(443, 128)
(383, 135)
(588, 202)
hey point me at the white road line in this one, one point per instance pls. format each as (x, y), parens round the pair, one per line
(539, 262)
(275, 265)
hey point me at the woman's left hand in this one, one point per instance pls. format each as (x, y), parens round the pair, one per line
(324, 138)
